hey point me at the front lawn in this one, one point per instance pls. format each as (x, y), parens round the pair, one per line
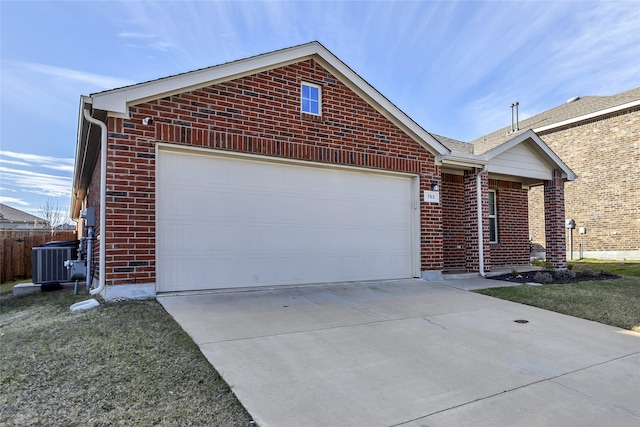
(125, 363)
(613, 302)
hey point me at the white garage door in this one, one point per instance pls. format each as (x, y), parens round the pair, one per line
(226, 221)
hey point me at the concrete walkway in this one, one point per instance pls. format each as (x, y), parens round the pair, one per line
(412, 353)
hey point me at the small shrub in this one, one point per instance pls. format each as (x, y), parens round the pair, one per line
(570, 266)
(514, 273)
(587, 273)
(542, 277)
(565, 274)
(606, 273)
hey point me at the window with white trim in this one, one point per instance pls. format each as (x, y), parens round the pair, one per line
(311, 98)
(493, 217)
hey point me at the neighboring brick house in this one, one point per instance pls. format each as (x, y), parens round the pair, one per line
(289, 168)
(599, 139)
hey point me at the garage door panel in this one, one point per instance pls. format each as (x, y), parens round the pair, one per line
(189, 274)
(230, 222)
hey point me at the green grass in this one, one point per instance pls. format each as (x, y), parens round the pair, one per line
(613, 302)
(125, 363)
(622, 268)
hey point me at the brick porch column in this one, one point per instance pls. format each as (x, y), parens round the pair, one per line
(554, 230)
(472, 258)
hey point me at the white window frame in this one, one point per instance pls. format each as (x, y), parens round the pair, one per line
(313, 85)
(493, 218)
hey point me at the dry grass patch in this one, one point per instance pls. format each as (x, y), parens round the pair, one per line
(125, 363)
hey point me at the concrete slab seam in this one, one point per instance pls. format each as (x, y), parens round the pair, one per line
(328, 328)
(521, 387)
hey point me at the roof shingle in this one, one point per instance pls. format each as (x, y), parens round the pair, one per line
(567, 111)
(9, 214)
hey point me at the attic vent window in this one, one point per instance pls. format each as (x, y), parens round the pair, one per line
(311, 98)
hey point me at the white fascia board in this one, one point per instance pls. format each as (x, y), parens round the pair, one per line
(466, 161)
(380, 102)
(540, 144)
(117, 101)
(589, 116)
(518, 139)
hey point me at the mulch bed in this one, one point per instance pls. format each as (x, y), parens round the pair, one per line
(559, 277)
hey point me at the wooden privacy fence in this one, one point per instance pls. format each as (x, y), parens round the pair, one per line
(15, 250)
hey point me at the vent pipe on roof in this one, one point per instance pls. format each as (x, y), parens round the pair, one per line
(574, 99)
(515, 122)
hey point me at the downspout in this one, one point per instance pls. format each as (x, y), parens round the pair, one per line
(103, 200)
(479, 207)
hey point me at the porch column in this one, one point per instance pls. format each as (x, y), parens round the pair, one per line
(472, 261)
(556, 250)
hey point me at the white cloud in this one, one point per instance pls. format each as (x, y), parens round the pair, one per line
(100, 81)
(53, 163)
(36, 182)
(13, 162)
(28, 176)
(135, 35)
(13, 200)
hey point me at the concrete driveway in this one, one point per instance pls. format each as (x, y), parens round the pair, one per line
(411, 353)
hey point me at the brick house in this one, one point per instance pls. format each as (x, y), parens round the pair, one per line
(599, 139)
(289, 168)
(15, 219)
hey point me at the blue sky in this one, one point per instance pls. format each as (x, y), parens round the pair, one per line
(455, 67)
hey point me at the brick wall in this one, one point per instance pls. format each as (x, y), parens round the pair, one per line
(460, 223)
(452, 199)
(254, 114)
(472, 257)
(605, 154)
(554, 218)
(93, 200)
(512, 247)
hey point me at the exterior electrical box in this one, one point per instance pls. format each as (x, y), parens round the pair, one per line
(48, 261)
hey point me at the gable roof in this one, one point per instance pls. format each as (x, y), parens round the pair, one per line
(454, 144)
(573, 111)
(538, 145)
(526, 142)
(116, 101)
(13, 215)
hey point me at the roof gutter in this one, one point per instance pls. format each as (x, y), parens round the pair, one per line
(103, 200)
(456, 159)
(588, 116)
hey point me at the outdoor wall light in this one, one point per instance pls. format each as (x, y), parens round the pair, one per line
(147, 121)
(435, 186)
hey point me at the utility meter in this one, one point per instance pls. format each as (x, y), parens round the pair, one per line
(89, 215)
(569, 224)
